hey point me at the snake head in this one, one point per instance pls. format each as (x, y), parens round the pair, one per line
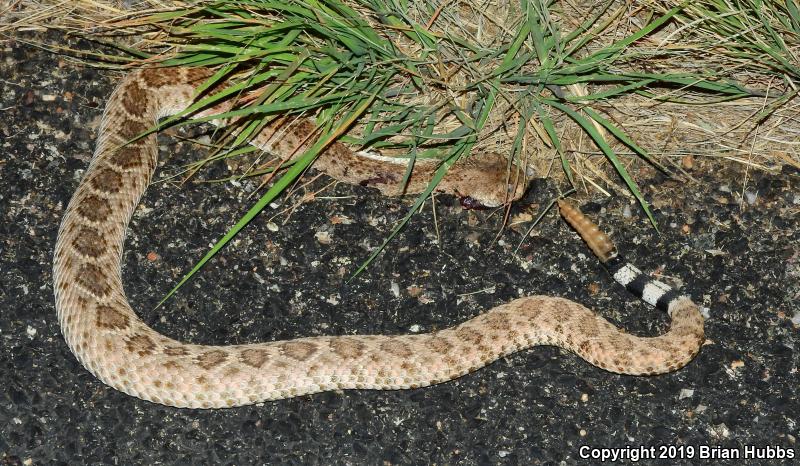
(485, 181)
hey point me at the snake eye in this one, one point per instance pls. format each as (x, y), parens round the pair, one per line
(470, 203)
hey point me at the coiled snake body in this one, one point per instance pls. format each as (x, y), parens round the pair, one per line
(109, 339)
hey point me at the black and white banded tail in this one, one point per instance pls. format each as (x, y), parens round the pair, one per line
(649, 290)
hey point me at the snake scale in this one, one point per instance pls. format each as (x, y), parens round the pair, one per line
(108, 338)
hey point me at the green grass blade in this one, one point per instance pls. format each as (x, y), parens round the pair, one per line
(291, 174)
(610, 155)
(550, 128)
(462, 148)
(619, 134)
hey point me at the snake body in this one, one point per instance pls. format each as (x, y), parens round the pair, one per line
(115, 345)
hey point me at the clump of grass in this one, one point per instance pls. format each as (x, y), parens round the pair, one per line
(755, 37)
(421, 79)
(439, 85)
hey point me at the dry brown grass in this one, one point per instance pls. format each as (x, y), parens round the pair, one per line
(681, 136)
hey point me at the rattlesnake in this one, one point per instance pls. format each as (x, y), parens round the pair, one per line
(109, 339)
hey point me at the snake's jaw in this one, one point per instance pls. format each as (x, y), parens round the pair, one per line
(514, 190)
(493, 188)
(470, 203)
(517, 189)
(481, 201)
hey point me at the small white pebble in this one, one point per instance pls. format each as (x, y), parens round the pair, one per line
(686, 393)
(323, 237)
(271, 226)
(395, 289)
(415, 328)
(700, 408)
(77, 175)
(30, 331)
(526, 265)
(725, 188)
(750, 197)
(796, 318)
(720, 431)
(425, 299)
(626, 212)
